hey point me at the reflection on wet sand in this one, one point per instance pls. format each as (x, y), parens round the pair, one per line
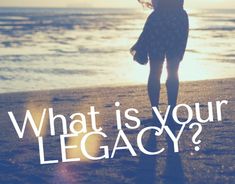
(36, 109)
(174, 172)
(20, 159)
(144, 171)
(63, 174)
(42, 113)
(147, 170)
(92, 143)
(72, 172)
(92, 146)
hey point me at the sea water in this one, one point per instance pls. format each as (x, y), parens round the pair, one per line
(43, 49)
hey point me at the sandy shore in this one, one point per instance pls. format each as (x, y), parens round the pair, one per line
(214, 163)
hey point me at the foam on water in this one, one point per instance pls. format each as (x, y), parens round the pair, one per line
(67, 48)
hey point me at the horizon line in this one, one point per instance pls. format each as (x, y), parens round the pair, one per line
(85, 7)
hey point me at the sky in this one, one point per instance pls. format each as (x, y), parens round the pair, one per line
(192, 4)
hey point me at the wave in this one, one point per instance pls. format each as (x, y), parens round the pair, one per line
(4, 78)
(26, 58)
(54, 71)
(214, 29)
(192, 51)
(14, 22)
(61, 47)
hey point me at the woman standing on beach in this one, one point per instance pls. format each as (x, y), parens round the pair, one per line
(164, 36)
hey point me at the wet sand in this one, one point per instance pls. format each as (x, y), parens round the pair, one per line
(214, 163)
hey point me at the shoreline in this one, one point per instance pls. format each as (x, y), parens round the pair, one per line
(101, 87)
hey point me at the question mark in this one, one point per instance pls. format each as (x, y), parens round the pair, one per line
(198, 132)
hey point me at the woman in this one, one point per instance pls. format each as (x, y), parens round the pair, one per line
(164, 36)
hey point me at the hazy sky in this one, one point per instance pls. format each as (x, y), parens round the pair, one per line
(110, 3)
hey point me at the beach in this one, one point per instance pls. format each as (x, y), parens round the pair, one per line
(214, 163)
(69, 70)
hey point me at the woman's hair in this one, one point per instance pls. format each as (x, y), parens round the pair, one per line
(162, 4)
(146, 4)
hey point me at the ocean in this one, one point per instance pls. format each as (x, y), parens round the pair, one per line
(43, 49)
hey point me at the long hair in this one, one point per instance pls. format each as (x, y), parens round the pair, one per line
(146, 4)
(164, 4)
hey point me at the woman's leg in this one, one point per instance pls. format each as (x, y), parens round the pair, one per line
(154, 85)
(172, 83)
